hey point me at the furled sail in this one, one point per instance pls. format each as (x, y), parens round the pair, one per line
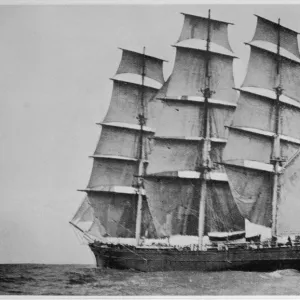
(113, 189)
(173, 181)
(266, 121)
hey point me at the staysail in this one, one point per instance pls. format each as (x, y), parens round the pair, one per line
(84, 220)
(114, 190)
(190, 136)
(266, 124)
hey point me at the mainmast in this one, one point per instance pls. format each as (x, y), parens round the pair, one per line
(185, 195)
(142, 121)
(206, 139)
(276, 158)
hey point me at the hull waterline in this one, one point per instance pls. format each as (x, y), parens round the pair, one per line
(149, 260)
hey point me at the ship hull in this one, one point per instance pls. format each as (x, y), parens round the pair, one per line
(150, 260)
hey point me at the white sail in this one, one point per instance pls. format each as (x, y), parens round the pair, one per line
(290, 121)
(289, 202)
(110, 172)
(117, 152)
(195, 27)
(253, 129)
(174, 155)
(252, 191)
(180, 118)
(118, 141)
(220, 118)
(255, 111)
(188, 76)
(222, 214)
(113, 190)
(262, 72)
(86, 221)
(185, 116)
(267, 31)
(174, 174)
(290, 74)
(116, 213)
(261, 69)
(265, 125)
(135, 63)
(174, 205)
(125, 102)
(247, 145)
(84, 216)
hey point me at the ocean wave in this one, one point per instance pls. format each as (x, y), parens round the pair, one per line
(88, 280)
(80, 278)
(16, 279)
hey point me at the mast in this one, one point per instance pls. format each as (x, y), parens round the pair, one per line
(141, 118)
(266, 128)
(114, 188)
(185, 195)
(206, 139)
(276, 159)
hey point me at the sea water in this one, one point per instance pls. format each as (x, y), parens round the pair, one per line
(31, 279)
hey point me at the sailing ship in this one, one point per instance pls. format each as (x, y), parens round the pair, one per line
(182, 164)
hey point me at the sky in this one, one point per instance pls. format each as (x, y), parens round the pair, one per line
(56, 62)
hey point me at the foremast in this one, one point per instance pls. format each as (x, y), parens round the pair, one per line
(115, 191)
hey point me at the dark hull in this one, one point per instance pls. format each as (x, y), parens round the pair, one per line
(148, 260)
